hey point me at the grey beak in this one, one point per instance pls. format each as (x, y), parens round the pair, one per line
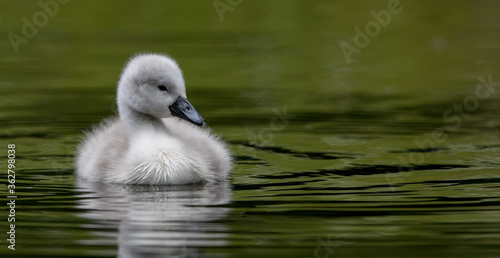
(183, 109)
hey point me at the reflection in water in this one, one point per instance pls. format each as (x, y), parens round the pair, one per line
(163, 221)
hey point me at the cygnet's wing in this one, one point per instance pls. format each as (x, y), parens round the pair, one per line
(101, 150)
(202, 140)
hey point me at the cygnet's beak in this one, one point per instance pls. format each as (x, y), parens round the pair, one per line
(183, 109)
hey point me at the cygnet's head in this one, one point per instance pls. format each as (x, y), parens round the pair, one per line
(153, 84)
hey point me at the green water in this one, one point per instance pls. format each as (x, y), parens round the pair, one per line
(394, 154)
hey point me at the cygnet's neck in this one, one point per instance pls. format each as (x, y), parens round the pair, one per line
(136, 121)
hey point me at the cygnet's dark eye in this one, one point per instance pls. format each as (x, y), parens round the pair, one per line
(162, 88)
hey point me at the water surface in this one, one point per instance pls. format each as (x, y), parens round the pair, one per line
(394, 154)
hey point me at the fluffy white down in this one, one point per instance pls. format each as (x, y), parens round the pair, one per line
(165, 150)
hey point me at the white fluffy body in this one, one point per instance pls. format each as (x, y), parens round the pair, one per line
(146, 144)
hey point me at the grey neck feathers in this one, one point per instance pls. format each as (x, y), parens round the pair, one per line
(135, 121)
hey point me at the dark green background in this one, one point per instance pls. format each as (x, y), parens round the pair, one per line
(330, 172)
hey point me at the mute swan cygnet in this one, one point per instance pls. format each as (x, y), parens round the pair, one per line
(158, 137)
